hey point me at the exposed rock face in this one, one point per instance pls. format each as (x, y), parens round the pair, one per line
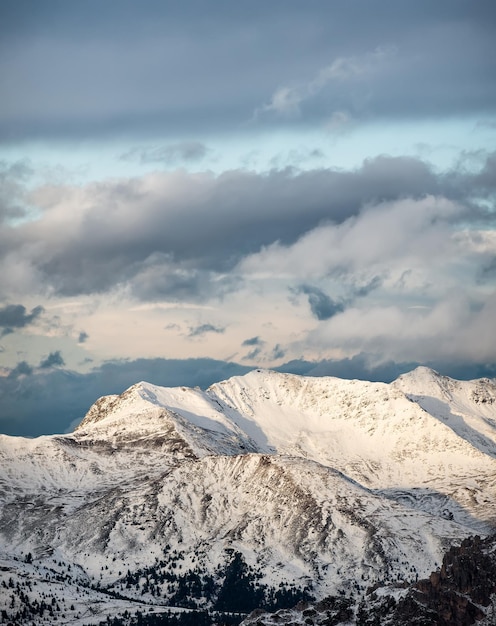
(460, 593)
(465, 582)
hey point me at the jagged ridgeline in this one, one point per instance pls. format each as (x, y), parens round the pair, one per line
(261, 492)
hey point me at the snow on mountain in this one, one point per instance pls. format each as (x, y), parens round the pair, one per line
(320, 485)
(340, 421)
(376, 433)
(467, 407)
(145, 410)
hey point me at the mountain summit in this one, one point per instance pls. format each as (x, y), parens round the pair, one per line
(298, 486)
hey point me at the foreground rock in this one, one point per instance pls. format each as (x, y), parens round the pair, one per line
(460, 593)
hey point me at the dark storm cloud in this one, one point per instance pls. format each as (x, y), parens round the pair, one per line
(171, 234)
(203, 329)
(183, 151)
(323, 307)
(54, 359)
(90, 68)
(16, 316)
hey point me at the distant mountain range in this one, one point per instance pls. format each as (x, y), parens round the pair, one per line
(266, 490)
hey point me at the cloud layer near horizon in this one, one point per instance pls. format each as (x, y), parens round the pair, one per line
(45, 401)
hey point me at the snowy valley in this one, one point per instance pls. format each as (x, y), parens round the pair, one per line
(260, 492)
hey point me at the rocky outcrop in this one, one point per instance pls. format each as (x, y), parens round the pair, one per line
(464, 584)
(461, 593)
(458, 594)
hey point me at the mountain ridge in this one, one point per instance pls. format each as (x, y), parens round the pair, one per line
(320, 485)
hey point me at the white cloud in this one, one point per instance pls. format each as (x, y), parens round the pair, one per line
(429, 304)
(287, 100)
(399, 236)
(450, 330)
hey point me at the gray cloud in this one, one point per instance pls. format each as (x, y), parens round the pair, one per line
(54, 359)
(13, 179)
(21, 369)
(260, 350)
(175, 232)
(257, 344)
(323, 307)
(83, 336)
(159, 276)
(198, 331)
(166, 68)
(278, 352)
(16, 316)
(253, 354)
(253, 341)
(171, 154)
(486, 178)
(364, 290)
(365, 366)
(488, 271)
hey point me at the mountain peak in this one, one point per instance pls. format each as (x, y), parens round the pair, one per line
(420, 373)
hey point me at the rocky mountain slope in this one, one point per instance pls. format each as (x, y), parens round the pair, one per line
(460, 593)
(262, 490)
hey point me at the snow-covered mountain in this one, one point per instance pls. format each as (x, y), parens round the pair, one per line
(297, 486)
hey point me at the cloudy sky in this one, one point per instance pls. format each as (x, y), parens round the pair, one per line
(190, 190)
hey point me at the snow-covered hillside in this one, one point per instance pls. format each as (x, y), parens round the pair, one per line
(304, 485)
